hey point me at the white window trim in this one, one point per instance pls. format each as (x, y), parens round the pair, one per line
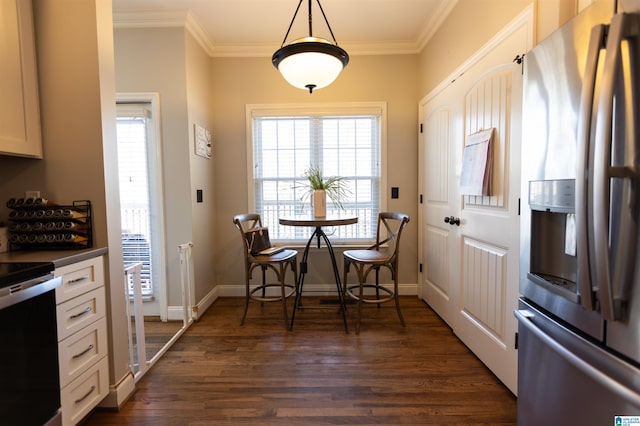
(318, 109)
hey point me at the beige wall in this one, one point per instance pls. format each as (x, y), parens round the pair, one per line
(75, 65)
(169, 62)
(468, 27)
(241, 81)
(472, 23)
(200, 105)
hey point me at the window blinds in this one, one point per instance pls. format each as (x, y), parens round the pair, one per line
(346, 146)
(133, 168)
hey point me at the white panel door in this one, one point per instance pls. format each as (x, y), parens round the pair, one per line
(441, 200)
(470, 243)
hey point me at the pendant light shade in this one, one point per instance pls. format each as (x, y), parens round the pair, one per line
(310, 62)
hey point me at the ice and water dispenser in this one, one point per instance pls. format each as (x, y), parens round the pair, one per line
(553, 262)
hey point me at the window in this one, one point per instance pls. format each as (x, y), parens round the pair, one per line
(346, 141)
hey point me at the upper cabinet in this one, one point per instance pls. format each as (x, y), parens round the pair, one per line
(20, 133)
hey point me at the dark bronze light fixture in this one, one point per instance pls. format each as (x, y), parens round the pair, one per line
(310, 62)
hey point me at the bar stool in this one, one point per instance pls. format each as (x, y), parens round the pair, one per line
(278, 263)
(384, 253)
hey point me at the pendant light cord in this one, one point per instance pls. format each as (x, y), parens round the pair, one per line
(291, 24)
(310, 22)
(325, 20)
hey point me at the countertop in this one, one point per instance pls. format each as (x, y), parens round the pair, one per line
(58, 257)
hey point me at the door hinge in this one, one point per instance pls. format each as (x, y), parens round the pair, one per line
(515, 343)
(518, 206)
(420, 127)
(420, 268)
(519, 59)
(420, 198)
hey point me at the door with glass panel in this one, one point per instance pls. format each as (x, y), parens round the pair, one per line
(137, 173)
(141, 209)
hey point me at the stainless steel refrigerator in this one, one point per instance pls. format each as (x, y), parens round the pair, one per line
(579, 314)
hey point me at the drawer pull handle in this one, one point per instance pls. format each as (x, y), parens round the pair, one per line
(76, 356)
(79, 400)
(79, 314)
(77, 280)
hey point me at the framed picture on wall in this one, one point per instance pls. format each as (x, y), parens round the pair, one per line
(202, 141)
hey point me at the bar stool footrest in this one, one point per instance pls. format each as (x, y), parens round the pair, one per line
(275, 298)
(368, 298)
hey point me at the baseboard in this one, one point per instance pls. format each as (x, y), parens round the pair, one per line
(317, 289)
(175, 313)
(204, 304)
(119, 393)
(222, 290)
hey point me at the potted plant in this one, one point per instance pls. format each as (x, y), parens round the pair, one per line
(319, 189)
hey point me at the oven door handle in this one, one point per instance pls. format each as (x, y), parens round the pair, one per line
(525, 318)
(25, 290)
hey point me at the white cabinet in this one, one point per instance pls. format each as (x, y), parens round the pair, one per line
(19, 106)
(82, 338)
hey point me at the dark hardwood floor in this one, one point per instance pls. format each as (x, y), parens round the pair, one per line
(220, 373)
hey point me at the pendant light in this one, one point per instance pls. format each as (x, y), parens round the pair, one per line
(310, 62)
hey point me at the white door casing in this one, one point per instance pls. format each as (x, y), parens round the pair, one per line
(470, 273)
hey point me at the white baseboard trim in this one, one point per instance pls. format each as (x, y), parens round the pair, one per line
(119, 393)
(228, 290)
(317, 289)
(174, 313)
(205, 303)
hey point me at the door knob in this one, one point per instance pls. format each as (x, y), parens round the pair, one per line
(451, 220)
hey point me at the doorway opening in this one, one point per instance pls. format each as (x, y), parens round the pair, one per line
(140, 201)
(151, 331)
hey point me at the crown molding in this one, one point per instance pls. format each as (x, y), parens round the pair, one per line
(433, 24)
(165, 19)
(186, 19)
(354, 49)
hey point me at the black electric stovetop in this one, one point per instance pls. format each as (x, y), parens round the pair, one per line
(16, 272)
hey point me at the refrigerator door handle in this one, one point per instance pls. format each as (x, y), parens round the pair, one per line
(621, 27)
(525, 318)
(584, 169)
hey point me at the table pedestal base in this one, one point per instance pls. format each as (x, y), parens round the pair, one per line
(319, 234)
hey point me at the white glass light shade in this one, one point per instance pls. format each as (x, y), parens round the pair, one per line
(310, 63)
(306, 69)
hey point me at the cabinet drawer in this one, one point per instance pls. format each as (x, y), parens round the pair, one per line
(80, 277)
(78, 313)
(81, 350)
(80, 396)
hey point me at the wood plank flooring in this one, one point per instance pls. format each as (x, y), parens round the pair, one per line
(220, 373)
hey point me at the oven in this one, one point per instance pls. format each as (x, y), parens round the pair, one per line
(30, 384)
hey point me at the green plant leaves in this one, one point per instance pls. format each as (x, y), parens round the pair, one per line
(334, 186)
